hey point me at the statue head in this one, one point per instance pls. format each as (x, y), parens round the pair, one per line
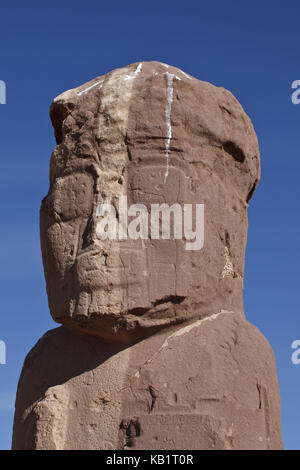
(145, 222)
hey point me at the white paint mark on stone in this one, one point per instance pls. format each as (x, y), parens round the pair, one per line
(139, 68)
(164, 73)
(186, 75)
(90, 87)
(136, 72)
(170, 77)
(188, 328)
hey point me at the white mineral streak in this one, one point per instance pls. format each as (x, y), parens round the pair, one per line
(138, 69)
(183, 331)
(186, 75)
(164, 73)
(188, 328)
(170, 77)
(136, 72)
(90, 87)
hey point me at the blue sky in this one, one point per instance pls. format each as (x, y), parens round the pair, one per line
(250, 48)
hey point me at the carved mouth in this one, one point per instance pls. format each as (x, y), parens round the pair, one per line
(169, 299)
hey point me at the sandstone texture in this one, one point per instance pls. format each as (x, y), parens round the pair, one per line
(209, 385)
(154, 351)
(113, 137)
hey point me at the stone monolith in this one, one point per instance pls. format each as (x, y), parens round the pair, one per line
(154, 351)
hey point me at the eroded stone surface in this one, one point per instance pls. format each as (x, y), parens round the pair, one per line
(154, 351)
(209, 385)
(156, 135)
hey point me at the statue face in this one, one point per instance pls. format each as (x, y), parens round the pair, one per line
(88, 277)
(112, 148)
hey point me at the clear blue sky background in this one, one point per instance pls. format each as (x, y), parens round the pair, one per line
(249, 47)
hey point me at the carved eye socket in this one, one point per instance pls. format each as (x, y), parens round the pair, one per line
(234, 151)
(73, 196)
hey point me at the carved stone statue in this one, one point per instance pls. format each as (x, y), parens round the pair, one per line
(154, 351)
